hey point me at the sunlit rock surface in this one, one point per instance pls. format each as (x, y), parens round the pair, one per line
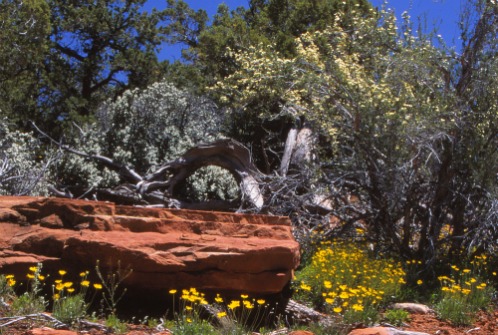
(165, 248)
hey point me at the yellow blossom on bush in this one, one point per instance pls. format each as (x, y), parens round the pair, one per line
(344, 275)
(305, 287)
(357, 307)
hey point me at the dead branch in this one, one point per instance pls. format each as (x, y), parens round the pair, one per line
(161, 186)
(38, 316)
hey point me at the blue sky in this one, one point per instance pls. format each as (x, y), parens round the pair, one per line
(440, 14)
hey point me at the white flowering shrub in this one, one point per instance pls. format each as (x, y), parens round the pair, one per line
(143, 129)
(24, 164)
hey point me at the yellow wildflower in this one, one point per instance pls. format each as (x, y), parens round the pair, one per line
(344, 295)
(234, 304)
(248, 305)
(357, 307)
(305, 287)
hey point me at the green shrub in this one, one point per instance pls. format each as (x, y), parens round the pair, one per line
(70, 308)
(464, 293)
(24, 163)
(396, 317)
(31, 301)
(117, 326)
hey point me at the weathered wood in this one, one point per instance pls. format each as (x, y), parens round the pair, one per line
(160, 187)
(290, 144)
(305, 315)
(304, 147)
(228, 154)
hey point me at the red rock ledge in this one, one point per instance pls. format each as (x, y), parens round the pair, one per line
(166, 248)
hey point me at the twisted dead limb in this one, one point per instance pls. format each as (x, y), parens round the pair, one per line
(36, 317)
(160, 187)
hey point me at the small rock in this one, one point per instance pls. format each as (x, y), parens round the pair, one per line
(372, 331)
(383, 331)
(301, 332)
(413, 308)
(50, 331)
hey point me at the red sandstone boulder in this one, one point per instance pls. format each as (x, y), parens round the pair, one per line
(166, 248)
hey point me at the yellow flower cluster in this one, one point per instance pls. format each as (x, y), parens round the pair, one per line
(192, 297)
(347, 278)
(60, 286)
(464, 282)
(10, 280)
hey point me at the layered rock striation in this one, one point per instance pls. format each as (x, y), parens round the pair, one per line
(165, 248)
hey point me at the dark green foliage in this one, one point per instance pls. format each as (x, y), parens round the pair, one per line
(24, 26)
(98, 49)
